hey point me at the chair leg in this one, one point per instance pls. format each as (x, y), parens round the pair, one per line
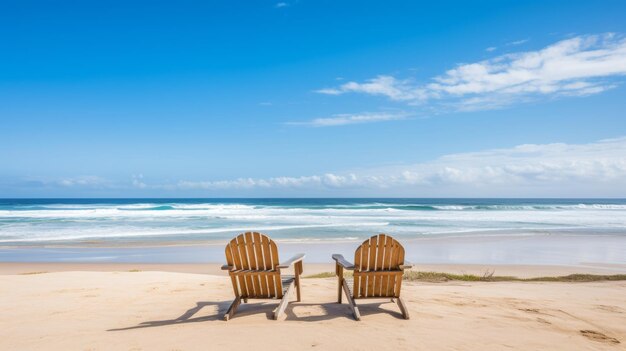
(232, 309)
(283, 302)
(403, 309)
(298, 270)
(298, 296)
(339, 272)
(351, 303)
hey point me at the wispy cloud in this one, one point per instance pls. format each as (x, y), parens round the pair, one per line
(579, 66)
(518, 42)
(359, 118)
(138, 182)
(388, 86)
(81, 181)
(281, 4)
(491, 49)
(528, 170)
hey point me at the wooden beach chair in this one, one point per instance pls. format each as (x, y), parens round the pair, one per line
(254, 268)
(378, 268)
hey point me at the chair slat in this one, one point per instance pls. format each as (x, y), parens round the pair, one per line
(250, 250)
(386, 265)
(243, 286)
(389, 248)
(380, 251)
(380, 255)
(231, 262)
(357, 286)
(229, 255)
(235, 251)
(258, 250)
(398, 284)
(363, 260)
(393, 264)
(241, 246)
(271, 285)
(274, 252)
(391, 285)
(243, 250)
(400, 260)
(269, 264)
(371, 265)
(267, 254)
(363, 257)
(357, 258)
(275, 262)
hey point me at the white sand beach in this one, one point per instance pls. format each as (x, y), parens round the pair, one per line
(124, 307)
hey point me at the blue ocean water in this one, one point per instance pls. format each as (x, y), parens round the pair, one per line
(39, 222)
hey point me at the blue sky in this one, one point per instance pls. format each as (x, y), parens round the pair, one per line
(312, 98)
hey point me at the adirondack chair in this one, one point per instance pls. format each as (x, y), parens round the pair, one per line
(253, 265)
(378, 268)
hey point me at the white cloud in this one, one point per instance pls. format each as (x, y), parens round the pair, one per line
(491, 48)
(345, 119)
(594, 169)
(388, 86)
(82, 181)
(138, 181)
(578, 66)
(518, 42)
(328, 180)
(281, 4)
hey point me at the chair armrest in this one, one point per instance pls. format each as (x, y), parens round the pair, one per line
(343, 262)
(406, 265)
(227, 268)
(291, 261)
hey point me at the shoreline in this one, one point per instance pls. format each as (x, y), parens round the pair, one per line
(556, 250)
(213, 268)
(168, 241)
(115, 243)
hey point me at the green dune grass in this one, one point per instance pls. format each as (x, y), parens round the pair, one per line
(490, 277)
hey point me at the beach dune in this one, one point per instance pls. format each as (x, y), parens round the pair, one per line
(141, 310)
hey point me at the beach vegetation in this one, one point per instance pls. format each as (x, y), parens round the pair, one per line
(489, 276)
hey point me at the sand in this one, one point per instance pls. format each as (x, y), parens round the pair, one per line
(156, 310)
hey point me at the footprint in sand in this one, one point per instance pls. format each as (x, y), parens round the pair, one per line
(541, 320)
(597, 336)
(530, 310)
(608, 308)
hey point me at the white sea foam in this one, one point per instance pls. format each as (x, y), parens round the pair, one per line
(52, 222)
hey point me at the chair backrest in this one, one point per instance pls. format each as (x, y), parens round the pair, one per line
(254, 257)
(379, 253)
(377, 271)
(252, 251)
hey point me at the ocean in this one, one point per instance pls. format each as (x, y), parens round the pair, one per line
(162, 221)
